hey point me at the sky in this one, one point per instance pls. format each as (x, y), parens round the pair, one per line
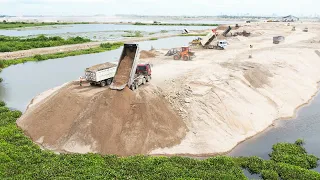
(160, 7)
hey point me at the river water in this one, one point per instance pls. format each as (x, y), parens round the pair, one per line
(83, 28)
(305, 126)
(22, 82)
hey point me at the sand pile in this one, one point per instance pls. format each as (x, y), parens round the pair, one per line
(107, 122)
(124, 69)
(147, 54)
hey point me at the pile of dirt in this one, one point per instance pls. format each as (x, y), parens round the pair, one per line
(106, 121)
(147, 54)
(100, 67)
(123, 73)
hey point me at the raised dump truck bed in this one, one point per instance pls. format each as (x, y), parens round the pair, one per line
(209, 38)
(127, 66)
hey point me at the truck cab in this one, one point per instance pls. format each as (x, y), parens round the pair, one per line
(142, 76)
(222, 43)
(144, 69)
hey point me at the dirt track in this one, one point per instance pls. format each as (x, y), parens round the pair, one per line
(225, 97)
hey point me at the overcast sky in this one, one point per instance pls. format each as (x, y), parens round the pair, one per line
(159, 7)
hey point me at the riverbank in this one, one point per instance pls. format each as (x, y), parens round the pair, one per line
(237, 97)
(225, 97)
(14, 25)
(77, 47)
(101, 48)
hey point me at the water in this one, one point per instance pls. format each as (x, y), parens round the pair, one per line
(22, 82)
(305, 126)
(86, 28)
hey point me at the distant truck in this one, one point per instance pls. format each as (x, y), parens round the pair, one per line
(101, 74)
(206, 42)
(129, 72)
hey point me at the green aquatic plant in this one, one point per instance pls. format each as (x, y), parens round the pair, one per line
(10, 44)
(102, 48)
(20, 158)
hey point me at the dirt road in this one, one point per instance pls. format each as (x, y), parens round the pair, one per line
(225, 97)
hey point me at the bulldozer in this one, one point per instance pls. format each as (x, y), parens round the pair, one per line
(185, 54)
(196, 42)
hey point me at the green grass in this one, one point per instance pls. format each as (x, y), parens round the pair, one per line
(172, 24)
(20, 158)
(101, 48)
(133, 34)
(12, 25)
(10, 44)
(153, 39)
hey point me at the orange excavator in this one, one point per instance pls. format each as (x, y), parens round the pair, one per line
(185, 53)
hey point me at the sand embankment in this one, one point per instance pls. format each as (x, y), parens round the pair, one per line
(223, 97)
(226, 97)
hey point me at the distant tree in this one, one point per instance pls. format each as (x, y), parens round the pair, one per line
(4, 21)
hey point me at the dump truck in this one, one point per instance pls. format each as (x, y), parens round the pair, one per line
(101, 74)
(278, 39)
(129, 72)
(206, 42)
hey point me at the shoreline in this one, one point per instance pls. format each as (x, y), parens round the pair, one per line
(70, 48)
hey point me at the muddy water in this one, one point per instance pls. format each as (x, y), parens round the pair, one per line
(22, 82)
(306, 126)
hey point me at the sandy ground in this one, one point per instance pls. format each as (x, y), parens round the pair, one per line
(225, 97)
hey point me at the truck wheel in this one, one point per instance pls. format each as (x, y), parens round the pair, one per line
(92, 84)
(133, 87)
(109, 81)
(186, 58)
(148, 78)
(176, 57)
(103, 83)
(144, 80)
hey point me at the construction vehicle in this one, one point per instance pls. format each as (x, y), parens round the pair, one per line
(142, 76)
(278, 39)
(226, 31)
(185, 31)
(128, 72)
(185, 53)
(206, 42)
(196, 42)
(101, 74)
(172, 52)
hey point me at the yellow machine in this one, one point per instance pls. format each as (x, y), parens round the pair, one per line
(196, 42)
(185, 54)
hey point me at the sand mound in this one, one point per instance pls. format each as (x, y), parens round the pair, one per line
(84, 119)
(147, 54)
